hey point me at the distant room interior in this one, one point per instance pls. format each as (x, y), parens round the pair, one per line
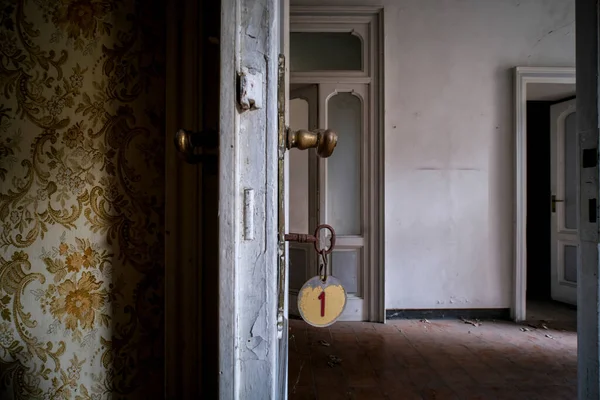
(541, 306)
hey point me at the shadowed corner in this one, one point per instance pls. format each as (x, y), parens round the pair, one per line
(137, 133)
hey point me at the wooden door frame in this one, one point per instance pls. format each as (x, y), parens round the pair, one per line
(371, 18)
(523, 76)
(183, 205)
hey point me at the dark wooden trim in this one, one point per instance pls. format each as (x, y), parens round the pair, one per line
(184, 336)
(453, 313)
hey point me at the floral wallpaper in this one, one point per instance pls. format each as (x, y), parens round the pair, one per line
(81, 199)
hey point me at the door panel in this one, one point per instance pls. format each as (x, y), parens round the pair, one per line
(336, 194)
(252, 326)
(343, 194)
(346, 265)
(565, 205)
(344, 108)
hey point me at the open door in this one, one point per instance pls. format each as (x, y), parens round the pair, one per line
(342, 198)
(565, 204)
(252, 323)
(331, 190)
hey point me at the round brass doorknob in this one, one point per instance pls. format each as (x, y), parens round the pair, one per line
(194, 147)
(324, 140)
(183, 145)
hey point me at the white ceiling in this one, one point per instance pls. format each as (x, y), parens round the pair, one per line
(549, 91)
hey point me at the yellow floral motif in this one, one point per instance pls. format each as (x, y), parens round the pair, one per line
(75, 262)
(63, 248)
(79, 303)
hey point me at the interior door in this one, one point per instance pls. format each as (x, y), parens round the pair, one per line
(252, 323)
(565, 205)
(343, 200)
(303, 215)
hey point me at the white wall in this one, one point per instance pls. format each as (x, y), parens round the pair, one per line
(449, 144)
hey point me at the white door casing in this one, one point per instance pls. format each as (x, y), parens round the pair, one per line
(367, 247)
(523, 76)
(565, 240)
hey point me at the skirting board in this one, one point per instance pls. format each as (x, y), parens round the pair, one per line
(453, 313)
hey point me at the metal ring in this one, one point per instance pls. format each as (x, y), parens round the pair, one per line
(332, 244)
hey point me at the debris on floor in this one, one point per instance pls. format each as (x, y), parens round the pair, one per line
(425, 321)
(539, 325)
(333, 360)
(549, 336)
(324, 343)
(525, 329)
(472, 322)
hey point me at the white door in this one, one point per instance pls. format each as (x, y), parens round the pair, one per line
(565, 238)
(331, 190)
(252, 323)
(342, 195)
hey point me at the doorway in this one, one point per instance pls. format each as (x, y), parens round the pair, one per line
(542, 106)
(334, 85)
(552, 235)
(547, 183)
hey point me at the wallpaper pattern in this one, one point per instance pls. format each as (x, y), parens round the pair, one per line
(81, 199)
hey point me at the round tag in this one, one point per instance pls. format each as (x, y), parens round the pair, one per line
(321, 303)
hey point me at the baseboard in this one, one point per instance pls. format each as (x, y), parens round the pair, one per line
(449, 313)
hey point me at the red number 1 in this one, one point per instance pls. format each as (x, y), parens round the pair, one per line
(322, 298)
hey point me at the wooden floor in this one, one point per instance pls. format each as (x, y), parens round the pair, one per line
(447, 359)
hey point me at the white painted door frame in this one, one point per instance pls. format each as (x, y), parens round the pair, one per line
(367, 23)
(522, 77)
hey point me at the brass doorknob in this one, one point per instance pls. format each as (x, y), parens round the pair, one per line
(194, 147)
(324, 140)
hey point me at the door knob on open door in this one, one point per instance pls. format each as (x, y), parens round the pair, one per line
(194, 147)
(324, 140)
